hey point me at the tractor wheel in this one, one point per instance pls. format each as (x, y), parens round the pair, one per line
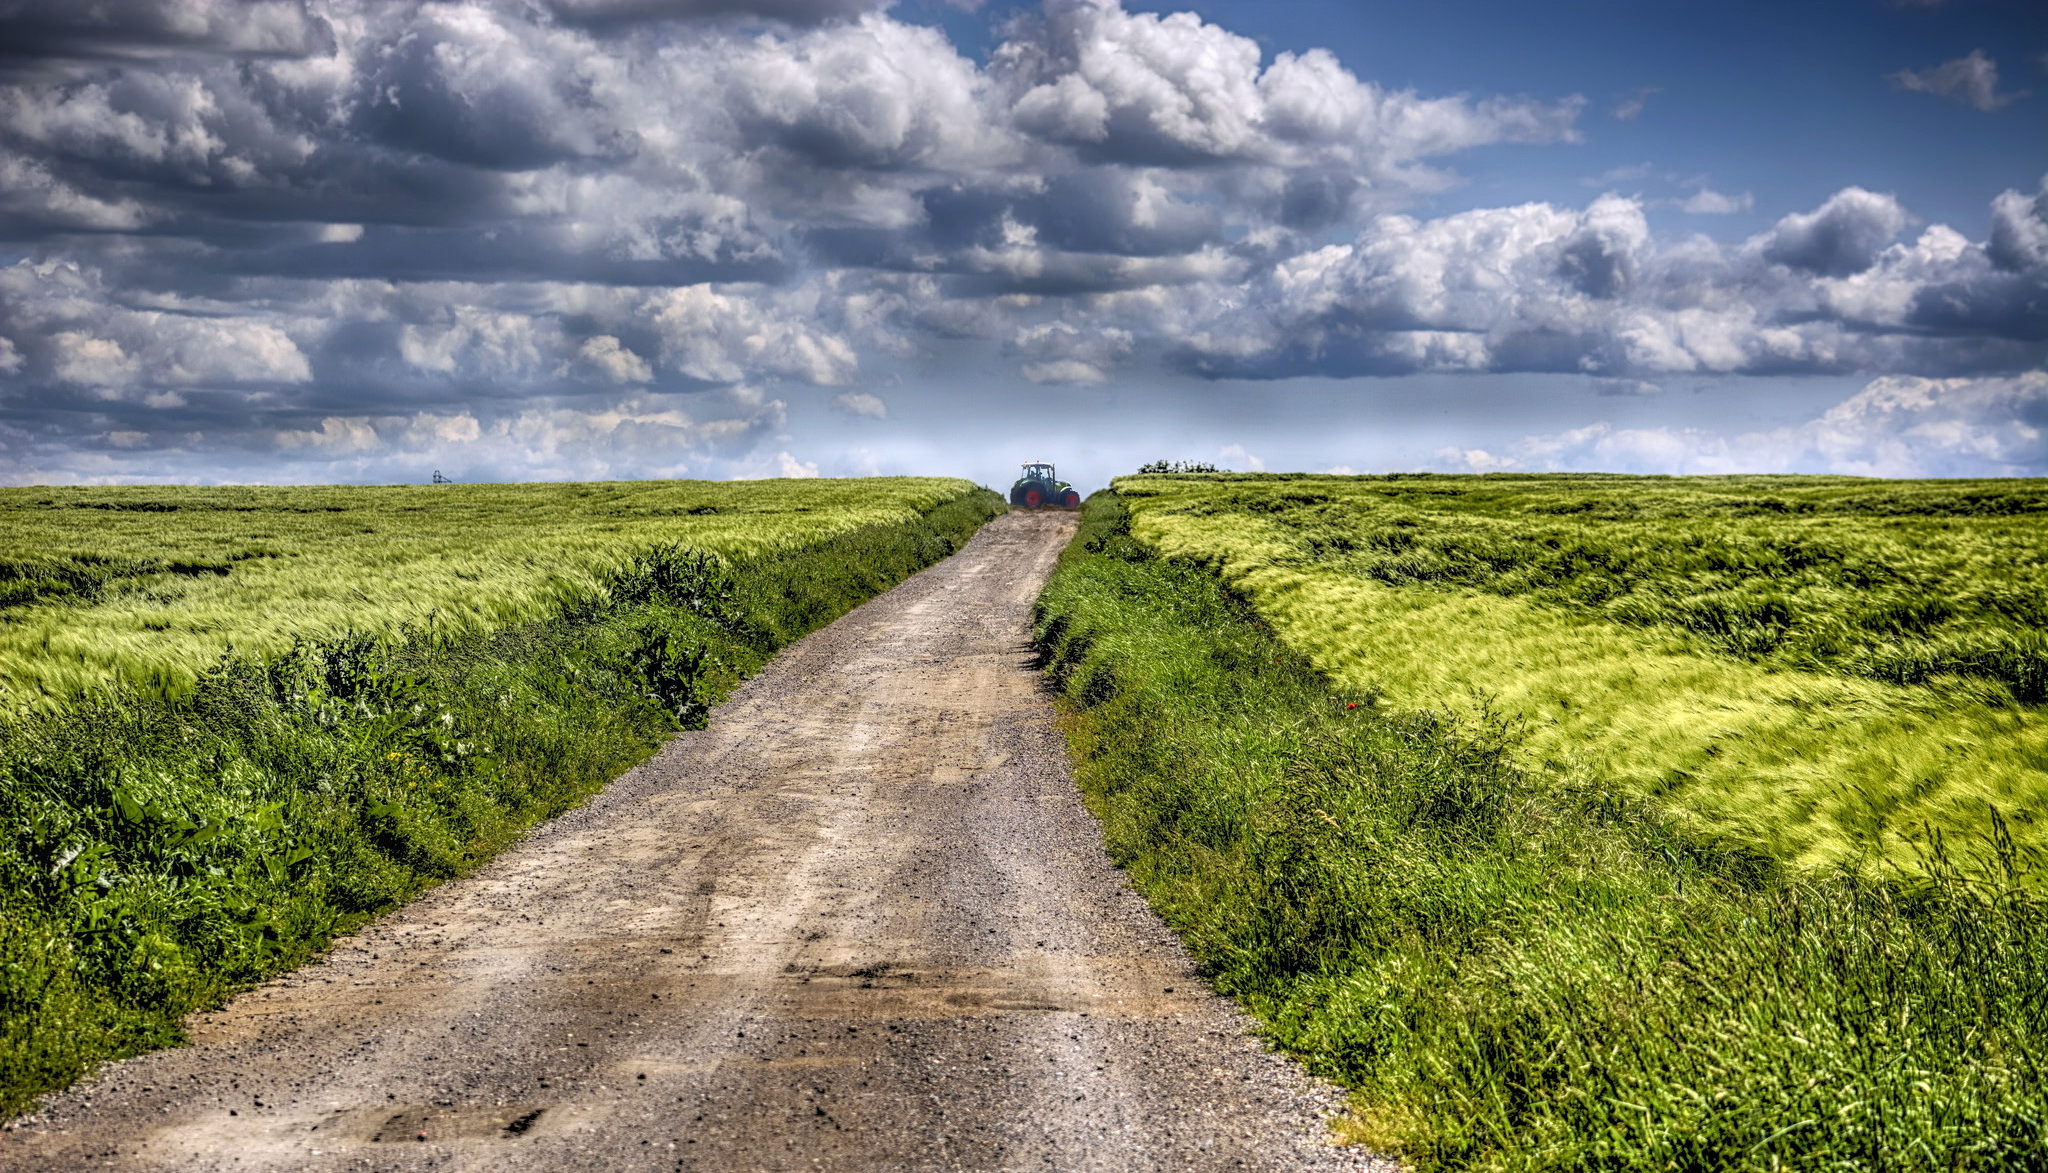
(1071, 500)
(1033, 497)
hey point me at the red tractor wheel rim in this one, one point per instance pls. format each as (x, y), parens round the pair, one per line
(1033, 498)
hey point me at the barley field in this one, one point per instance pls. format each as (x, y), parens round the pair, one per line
(1512, 968)
(146, 586)
(1833, 669)
(164, 844)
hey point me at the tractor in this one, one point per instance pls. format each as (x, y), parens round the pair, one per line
(1038, 488)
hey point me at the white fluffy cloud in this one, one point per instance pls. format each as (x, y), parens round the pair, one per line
(1894, 427)
(1058, 352)
(618, 364)
(1172, 90)
(789, 466)
(724, 337)
(1539, 288)
(74, 331)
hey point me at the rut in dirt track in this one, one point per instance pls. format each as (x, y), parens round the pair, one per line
(861, 922)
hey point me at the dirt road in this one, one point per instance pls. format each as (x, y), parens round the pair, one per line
(862, 922)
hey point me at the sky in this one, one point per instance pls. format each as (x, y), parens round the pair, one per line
(267, 241)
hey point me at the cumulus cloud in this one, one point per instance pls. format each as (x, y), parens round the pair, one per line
(789, 466)
(1059, 352)
(80, 358)
(2019, 230)
(1841, 237)
(1971, 80)
(726, 336)
(74, 331)
(475, 339)
(335, 434)
(1937, 427)
(1235, 457)
(31, 195)
(1894, 427)
(1455, 459)
(1174, 90)
(861, 403)
(604, 353)
(1542, 288)
(613, 229)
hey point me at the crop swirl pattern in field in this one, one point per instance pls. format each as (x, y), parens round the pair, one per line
(1519, 968)
(148, 585)
(1829, 668)
(160, 847)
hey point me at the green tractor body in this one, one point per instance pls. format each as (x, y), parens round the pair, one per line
(1038, 488)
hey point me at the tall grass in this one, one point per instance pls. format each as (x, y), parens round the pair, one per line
(145, 586)
(158, 852)
(1442, 593)
(1523, 970)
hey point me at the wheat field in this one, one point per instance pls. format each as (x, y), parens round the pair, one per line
(1832, 669)
(145, 586)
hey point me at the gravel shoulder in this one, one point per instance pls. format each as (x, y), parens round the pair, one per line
(860, 922)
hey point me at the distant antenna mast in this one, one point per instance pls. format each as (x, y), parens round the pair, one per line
(441, 480)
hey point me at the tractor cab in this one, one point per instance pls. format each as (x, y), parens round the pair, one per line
(1039, 487)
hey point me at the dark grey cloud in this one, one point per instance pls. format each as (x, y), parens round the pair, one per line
(1844, 236)
(2019, 231)
(36, 34)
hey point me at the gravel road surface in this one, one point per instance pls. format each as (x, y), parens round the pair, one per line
(861, 922)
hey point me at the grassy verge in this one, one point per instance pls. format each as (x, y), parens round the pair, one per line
(157, 854)
(1517, 970)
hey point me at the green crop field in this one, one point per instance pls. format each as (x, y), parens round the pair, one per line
(1515, 966)
(417, 675)
(148, 585)
(1832, 669)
